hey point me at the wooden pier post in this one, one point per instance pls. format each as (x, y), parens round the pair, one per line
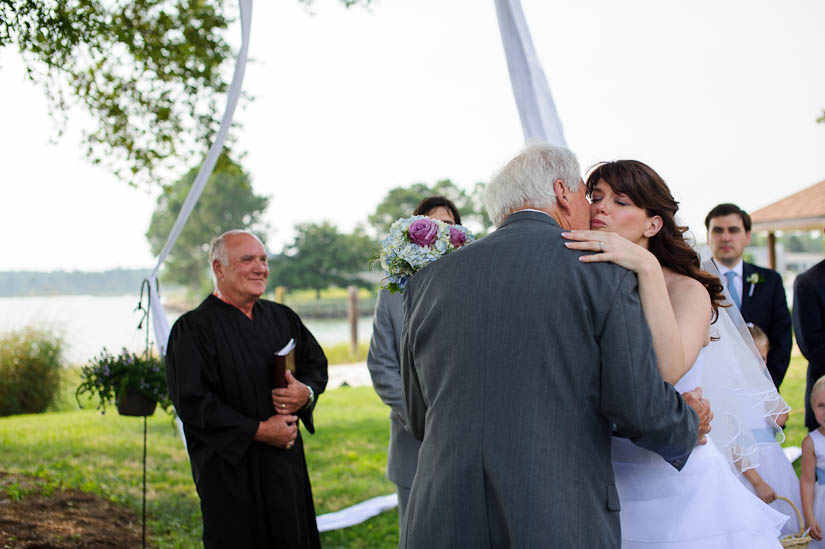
(352, 317)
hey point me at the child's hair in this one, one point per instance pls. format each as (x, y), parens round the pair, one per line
(818, 386)
(759, 336)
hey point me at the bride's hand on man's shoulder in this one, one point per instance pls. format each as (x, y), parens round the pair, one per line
(610, 247)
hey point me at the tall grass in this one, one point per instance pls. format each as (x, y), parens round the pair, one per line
(342, 354)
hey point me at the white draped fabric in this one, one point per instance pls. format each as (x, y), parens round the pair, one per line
(331, 521)
(159, 320)
(736, 381)
(539, 119)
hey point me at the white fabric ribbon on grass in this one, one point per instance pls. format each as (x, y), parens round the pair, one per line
(357, 513)
(539, 119)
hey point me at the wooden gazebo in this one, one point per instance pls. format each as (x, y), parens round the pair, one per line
(801, 211)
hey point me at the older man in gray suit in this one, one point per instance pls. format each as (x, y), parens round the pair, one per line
(518, 364)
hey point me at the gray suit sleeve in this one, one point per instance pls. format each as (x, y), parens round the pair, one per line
(414, 405)
(635, 398)
(383, 360)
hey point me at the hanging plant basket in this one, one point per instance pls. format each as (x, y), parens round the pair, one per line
(133, 403)
(135, 383)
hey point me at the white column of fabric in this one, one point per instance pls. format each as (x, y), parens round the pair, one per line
(159, 320)
(539, 119)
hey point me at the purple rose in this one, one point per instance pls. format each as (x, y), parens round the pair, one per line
(457, 237)
(423, 231)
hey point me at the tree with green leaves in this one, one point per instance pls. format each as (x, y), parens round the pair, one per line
(152, 74)
(228, 202)
(401, 201)
(320, 256)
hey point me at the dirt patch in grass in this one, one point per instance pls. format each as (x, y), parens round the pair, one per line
(37, 514)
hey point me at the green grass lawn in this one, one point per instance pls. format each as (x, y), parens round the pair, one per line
(102, 454)
(332, 293)
(793, 391)
(341, 353)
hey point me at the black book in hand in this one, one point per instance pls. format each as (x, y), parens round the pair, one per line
(284, 360)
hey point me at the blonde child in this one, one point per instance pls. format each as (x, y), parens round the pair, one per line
(774, 474)
(812, 481)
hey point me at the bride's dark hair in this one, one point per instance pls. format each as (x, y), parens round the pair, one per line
(649, 191)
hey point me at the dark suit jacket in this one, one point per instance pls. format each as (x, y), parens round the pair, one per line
(765, 305)
(517, 361)
(809, 326)
(384, 364)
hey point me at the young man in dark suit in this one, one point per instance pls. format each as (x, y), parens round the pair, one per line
(757, 292)
(809, 325)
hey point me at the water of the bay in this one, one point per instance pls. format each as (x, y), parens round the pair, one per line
(90, 323)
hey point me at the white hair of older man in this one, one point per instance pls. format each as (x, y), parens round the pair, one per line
(217, 249)
(527, 180)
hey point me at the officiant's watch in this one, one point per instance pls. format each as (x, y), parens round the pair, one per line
(311, 397)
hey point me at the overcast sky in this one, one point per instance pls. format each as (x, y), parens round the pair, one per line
(719, 97)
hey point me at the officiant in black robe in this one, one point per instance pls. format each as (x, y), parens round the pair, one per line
(242, 435)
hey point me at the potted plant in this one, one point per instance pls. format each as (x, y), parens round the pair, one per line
(136, 383)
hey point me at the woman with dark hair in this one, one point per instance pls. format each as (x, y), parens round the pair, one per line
(703, 505)
(439, 207)
(384, 364)
(634, 213)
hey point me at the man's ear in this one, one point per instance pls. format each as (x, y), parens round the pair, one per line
(747, 237)
(217, 267)
(654, 225)
(563, 198)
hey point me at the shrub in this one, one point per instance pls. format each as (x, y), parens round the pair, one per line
(30, 369)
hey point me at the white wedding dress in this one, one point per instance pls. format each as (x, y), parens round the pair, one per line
(702, 506)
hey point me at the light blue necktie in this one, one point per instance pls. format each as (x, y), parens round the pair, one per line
(734, 295)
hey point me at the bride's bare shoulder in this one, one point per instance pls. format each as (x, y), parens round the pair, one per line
(683, 287)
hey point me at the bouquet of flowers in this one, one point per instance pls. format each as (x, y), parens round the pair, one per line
(415, 241)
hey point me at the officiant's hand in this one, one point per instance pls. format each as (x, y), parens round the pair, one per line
(702, 408)
(291, 398)
(278, 430)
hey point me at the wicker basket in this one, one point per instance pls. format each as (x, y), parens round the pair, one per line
(799, 541)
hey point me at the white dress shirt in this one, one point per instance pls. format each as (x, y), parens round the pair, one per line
(532, 210)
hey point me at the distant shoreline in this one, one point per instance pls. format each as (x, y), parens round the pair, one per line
(113, 282)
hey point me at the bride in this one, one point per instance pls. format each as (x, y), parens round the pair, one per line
(704, 505)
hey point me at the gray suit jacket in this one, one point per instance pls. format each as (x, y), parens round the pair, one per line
(384, 363)
(517, 361)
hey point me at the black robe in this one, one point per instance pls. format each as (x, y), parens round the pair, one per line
(219, 366)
